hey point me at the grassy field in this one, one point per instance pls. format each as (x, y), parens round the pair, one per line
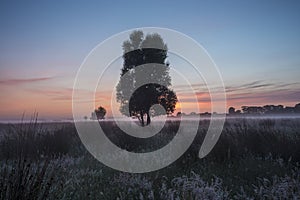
(253, 159)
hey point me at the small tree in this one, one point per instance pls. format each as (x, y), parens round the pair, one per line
(100, 112)
(93, 116)
(231, 110)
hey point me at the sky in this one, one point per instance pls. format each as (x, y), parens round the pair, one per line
(255, 44)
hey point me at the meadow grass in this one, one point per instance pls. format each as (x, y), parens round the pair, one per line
(253, 159)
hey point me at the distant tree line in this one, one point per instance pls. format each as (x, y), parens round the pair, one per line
(267, 109)
(253, 110)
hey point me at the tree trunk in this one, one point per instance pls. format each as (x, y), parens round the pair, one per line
(148, 118)
(142, 117)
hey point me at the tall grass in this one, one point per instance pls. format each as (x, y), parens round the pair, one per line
(27, 168)
(22, 179)
(33, 141)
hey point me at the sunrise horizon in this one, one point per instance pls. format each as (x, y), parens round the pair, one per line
(41, 52)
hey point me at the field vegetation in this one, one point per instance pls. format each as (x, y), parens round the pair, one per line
(253, 159)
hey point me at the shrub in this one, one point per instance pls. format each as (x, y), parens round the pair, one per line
(193, 187)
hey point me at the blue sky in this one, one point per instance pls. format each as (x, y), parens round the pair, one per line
(249, 41)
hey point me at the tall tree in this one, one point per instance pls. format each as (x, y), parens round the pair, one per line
(136, 52)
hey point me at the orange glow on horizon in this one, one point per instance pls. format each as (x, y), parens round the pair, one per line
(57, 104)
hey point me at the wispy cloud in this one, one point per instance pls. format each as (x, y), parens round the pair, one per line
(24, 81)
(267, 96)
(253, 92)
(65, 94)
(259, 85)
(256, 86)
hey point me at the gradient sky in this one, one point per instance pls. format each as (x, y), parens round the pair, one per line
(255, 44)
